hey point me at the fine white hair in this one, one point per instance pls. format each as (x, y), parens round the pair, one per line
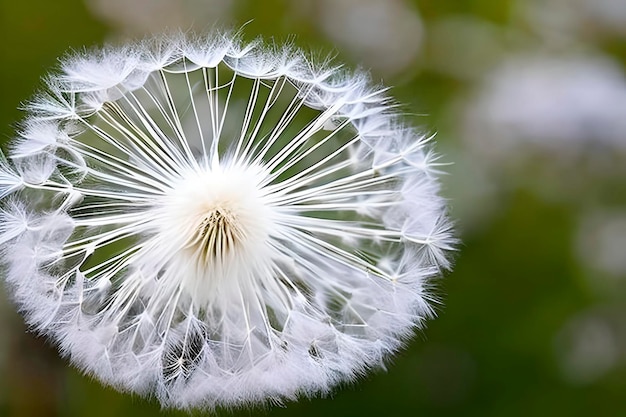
(220, 223)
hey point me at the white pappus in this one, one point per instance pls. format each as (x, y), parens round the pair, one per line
(220, 223)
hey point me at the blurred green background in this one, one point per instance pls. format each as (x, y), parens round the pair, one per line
(528, 99)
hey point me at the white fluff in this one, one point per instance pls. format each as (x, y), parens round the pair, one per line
(217, 223)
(9, 179)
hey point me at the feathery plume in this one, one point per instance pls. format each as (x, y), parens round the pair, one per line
(217, 223)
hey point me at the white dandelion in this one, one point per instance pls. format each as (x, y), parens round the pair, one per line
(217, 223)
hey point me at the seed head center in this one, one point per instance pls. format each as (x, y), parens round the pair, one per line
(218, 223)
(219, 233)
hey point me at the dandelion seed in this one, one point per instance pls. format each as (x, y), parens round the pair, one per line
(216, 223)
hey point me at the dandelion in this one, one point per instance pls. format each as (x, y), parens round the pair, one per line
(216, 223)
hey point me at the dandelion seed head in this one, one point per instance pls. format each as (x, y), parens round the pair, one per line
(218, 223)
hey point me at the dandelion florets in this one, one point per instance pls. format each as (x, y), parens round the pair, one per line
(217, 223)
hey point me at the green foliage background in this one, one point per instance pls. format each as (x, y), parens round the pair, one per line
(494, 349)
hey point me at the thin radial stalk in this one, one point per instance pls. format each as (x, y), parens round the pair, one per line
(177, 122)
(101, 269)
(337, 197)
(106, 238)
(359, 180)
(165, 148)
(231, 85)
(265, 143)
(339, 205)
(171, 123)
(340, 228)
(324, 248)
(247, 154)
(212, 93)
(140, 143)
(297, 158)
(121, 148)
(286, 119)
(121, 167)
(305, 134)
(195, 111)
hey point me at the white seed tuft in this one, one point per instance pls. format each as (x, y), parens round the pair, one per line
(217, 223)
